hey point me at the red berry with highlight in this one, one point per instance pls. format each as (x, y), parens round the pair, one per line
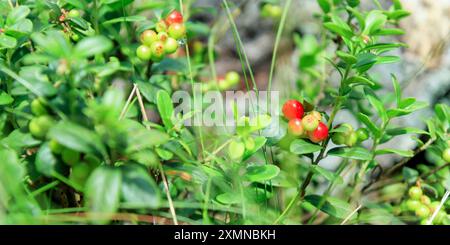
(293, 109)
(174, 17)
(319, 134)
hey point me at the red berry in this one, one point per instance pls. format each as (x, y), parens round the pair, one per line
(293, 109)
(319, 134)
(174, 17)
(295, 127)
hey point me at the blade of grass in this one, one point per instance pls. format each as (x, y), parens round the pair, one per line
(191, 78)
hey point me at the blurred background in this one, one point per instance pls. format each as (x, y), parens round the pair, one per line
(423, 69)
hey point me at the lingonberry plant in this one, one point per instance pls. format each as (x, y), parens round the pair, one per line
(91, 131)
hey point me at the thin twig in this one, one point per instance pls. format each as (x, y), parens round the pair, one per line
(426, 174)
(163, 175)
(351, 214)
(141, 105)
(127, 104)
(217, 150)
(406, 160)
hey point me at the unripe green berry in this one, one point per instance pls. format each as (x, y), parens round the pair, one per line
(338, 138)
(157, 49)
(232, 78)
(70, 157)
(422, 211)
(415, 192)
(55, 147)
(162, 36)
(148, 37)
(446, 155)
(161, 26)
(73, 13)
(170, 46)
(143, 52)
(351, 140)
(236, 149)
(37, 108)
(363, 134)
(177, 30)
(412, 204)
(425, 200)
(310, 122)
(39, 126)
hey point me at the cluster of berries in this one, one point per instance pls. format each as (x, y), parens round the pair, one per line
(346, 135)
(309, 125)
(423, 207)
(163, 40)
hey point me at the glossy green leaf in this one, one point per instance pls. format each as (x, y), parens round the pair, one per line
(369, 124)
(360, 80)
(165, 108)
(138, 188)
(91, 46)
(302, 147)
(339, 30)
(17, 14)
(5, 99)
(374, 21)
(331, 206)
(134, 18)
(325, 5)
(7, 41)
(261, 172)
(45, 161)
(389, 31)
(348, 58)
(376, 103)
(403, 153)
(405, 130)
(330, 176)
(229, 198)
(357, 153)
(103, 189)
(77, 137)
(17, 140)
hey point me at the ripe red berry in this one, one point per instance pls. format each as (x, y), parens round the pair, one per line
(295, 127)
(319, 134)
(293, 109)
(174, 17)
